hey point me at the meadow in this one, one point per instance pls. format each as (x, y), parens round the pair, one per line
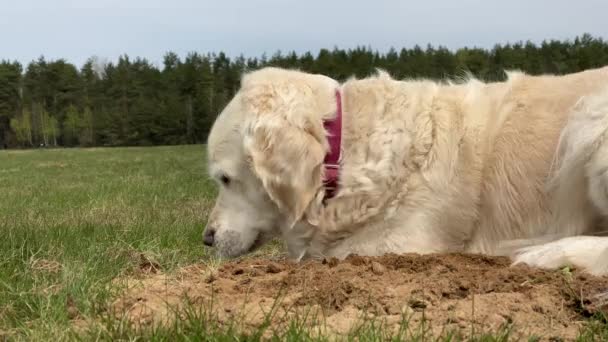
(74, 220)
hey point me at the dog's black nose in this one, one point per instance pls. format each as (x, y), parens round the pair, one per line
(209, 237)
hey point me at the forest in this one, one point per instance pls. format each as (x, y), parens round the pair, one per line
(132, 102)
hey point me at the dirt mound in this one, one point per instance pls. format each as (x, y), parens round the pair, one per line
(453, 291)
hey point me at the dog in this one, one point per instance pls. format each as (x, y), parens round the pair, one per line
(377, 165)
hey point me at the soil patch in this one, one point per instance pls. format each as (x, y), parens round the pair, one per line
(447, 292)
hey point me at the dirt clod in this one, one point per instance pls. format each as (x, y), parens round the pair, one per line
(417, 304)
(377, 268)
(147, 265)
(273, 267)
(71, 308)
(210, 278)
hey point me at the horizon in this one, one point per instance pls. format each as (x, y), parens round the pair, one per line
(78, 30)
(159, 63)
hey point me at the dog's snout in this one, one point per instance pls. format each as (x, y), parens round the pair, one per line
(209, 237)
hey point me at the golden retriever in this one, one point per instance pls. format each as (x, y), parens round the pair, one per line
(516, 168)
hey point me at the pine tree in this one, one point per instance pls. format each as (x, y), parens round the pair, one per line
(53, 130)
(86, 137)
(133, 102)
(10, 98)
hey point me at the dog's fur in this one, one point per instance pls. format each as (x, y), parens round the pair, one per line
(426, 167)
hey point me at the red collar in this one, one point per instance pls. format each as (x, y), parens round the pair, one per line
(332, 158)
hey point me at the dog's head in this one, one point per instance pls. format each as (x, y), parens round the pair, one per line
(266, 151)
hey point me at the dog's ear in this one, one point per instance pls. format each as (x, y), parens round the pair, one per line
(284, 136)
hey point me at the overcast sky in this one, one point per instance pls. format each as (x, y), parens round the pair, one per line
(78, 29)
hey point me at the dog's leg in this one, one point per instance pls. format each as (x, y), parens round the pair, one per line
(597, 175)
(589, 253)
(579, 191)
(414, 231)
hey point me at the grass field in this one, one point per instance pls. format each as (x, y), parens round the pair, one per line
(73, 220)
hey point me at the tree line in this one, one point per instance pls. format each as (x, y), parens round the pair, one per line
(132, 102)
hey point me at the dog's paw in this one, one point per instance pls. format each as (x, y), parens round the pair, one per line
(584, 252)
(547, 256)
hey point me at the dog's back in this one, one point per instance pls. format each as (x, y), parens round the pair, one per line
(547, 182)
(523, 138)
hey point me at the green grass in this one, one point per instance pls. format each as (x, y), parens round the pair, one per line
(72, 220)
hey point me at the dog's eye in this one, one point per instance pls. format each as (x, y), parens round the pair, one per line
(225, 180)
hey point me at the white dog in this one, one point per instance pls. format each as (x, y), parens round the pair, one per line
(377, 165)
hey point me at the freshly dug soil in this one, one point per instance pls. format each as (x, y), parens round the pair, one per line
(448, 292)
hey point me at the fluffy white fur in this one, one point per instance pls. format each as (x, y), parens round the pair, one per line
(514, 168)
